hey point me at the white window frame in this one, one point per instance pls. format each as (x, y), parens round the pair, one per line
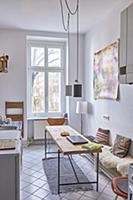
(46, 69)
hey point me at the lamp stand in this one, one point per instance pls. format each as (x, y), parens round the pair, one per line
(81, 123)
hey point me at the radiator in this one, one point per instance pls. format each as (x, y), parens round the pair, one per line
(39, 128)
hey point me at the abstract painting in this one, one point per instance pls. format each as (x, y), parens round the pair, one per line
(105, 78)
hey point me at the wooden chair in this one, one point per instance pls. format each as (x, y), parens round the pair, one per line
(56, 121)
(117, 188)
(15, 111)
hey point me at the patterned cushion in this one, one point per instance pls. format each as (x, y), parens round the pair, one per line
(102, 136)
(121, 146)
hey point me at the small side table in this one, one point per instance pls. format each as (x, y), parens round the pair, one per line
(120, 186)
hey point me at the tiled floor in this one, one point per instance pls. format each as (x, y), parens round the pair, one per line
(34, 184)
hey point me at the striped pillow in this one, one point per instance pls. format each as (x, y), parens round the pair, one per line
(102, 136)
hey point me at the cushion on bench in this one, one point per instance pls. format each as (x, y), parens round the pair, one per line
(121, 146)
(102, 136)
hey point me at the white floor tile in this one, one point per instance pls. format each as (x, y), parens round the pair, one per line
(37, 174)
(31, 188)
(39, 183)
(23, 184)
(32, 197)
(29, 171)
(41, 193)
(72, 195)
(29, 179)
(86, 198)
(23, 195)
(91, 194)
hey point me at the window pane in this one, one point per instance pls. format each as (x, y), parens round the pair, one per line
(37, 56)
(54, 57)
(38, 92)
(54, 91)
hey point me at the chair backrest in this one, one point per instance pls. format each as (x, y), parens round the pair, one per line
(15, 111)
(56, 121)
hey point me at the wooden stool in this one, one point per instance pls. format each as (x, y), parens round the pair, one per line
(120, 186)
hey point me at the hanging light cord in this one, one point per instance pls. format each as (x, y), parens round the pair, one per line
(77, 40)
(70, 11)
(68, 33)
(67, 28)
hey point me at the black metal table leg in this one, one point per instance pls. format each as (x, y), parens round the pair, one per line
(97, 165)
(73, 169)
(45, 143)
(58, 171)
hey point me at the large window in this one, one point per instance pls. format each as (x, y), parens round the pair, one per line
(46, 78)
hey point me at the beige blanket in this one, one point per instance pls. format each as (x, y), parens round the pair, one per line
(109, 161)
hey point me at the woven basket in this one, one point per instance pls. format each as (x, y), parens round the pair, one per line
(56, 121)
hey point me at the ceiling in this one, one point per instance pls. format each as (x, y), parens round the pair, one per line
(45, 15)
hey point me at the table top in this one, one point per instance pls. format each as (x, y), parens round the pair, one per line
(65, 146)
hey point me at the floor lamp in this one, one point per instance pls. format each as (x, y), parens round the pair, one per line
(82, 108)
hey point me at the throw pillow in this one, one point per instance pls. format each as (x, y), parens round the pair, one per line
(121, 146)
(102, 136)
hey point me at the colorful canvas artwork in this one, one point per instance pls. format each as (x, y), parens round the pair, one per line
(106, 72)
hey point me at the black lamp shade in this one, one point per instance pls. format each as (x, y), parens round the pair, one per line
(77, 90)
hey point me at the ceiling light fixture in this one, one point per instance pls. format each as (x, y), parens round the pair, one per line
(77, 92)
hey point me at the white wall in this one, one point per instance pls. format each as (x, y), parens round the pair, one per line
(73, 117)
(121, 111)
(13, 83)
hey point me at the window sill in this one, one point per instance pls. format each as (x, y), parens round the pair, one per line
(44, 117)
(37, 118)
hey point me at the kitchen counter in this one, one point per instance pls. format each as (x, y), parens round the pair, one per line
(7, 127)
(10, 161)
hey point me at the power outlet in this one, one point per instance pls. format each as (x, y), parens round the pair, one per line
(106, 117)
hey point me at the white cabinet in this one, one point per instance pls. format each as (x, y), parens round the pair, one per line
(130, 36)
(123, 41)
(126, 46)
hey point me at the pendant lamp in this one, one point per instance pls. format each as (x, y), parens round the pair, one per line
(77, 87)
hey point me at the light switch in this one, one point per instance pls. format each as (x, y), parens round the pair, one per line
(106, 117)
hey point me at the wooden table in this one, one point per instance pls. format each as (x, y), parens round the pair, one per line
(67, 148)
